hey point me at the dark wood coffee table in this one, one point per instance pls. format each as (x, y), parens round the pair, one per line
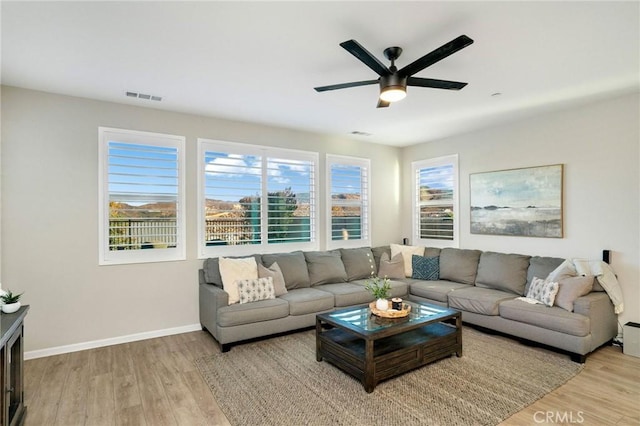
(372, 349)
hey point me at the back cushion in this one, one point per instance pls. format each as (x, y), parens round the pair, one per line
(459, 265)
(377, 254)
(507, 272)
(541, 267)
(432, 251)
(358, 262)
(211, 268)
(293, 267)
(325, 267)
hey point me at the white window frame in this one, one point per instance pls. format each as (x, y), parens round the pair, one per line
(416, 166)
(117, 257)
(365, 202)
(265, 152)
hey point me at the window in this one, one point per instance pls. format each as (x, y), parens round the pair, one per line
(435, 201)
(141, 197)
(348, 221)
(252, 195)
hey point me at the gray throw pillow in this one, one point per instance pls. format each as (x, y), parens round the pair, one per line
(459, 265)
(572, 288)
(293, 267)
(391, 268)
(358, 262)
(275, 273)
(325, 267)
(507, 272)
(377, 254)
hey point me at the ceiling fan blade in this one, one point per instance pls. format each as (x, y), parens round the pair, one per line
(383, 104)
(436, 84)
(345, 85)
(437, 55)
(365, 56)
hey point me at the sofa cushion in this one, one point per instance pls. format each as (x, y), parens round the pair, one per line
(391, 268)
(399, 288)
(248, 313)
(347, 294)
(435, 290)
(308, 300)
(572, 288)
(358, 262)
(293, 267)
(378, 252)
(211, 268)
(325, 267)
(459, 265)
(275, 273)
(255, 290)
(425, 268)
(502, 271)
(407, 252)
(234, 270)
(540, 267)
(432, 251)
(551, 318)
(479, 300)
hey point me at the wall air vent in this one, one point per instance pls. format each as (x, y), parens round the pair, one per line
(143, 96)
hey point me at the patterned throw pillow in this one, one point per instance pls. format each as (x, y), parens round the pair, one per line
(543, 291)
(256, 289)
(425, 268)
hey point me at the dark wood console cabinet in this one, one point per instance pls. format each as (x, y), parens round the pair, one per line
(12, 409)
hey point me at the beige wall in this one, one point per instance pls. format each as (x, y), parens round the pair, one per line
(49, 210)
(598, 145)
(49, 204)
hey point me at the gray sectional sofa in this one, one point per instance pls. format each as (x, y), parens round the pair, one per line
(483, 285)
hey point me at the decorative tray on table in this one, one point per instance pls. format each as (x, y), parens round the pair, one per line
(390, 313)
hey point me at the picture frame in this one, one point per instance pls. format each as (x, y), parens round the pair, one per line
(523, 202)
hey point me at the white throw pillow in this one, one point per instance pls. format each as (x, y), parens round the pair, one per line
(254, 290)
(233, 270)
(543, 291)
(407, 252)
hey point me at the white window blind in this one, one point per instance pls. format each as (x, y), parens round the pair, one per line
(142, 197)
(348, 183)
(435, 196)
(252, 195)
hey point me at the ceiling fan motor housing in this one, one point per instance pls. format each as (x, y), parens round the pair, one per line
(393, 81)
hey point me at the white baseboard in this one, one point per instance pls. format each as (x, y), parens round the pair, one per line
(112, 341)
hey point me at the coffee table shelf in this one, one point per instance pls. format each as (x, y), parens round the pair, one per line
(371, 350)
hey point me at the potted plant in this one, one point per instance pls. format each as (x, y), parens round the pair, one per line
(11, 302)
(379, 288)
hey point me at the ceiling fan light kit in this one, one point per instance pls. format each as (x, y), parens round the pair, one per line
(393, 82)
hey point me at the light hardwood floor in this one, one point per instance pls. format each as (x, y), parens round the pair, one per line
(154, 382)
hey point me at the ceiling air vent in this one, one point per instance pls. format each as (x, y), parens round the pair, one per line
(143, 96)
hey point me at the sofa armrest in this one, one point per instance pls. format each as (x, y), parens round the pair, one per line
(604, 322)
(211, 299)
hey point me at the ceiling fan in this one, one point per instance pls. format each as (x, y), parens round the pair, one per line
(394, 82)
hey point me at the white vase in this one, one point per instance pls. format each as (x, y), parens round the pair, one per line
(10, 308)
(382, 304)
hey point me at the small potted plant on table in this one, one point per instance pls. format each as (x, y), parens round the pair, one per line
(379, 288)
(11, 302)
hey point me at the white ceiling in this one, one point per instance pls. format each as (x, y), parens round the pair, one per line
(259, 61)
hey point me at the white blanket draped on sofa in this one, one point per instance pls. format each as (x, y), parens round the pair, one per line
(601, 270)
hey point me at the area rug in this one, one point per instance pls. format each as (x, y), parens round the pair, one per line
(279, 382)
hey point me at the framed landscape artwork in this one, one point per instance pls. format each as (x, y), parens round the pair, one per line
(520, 202)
